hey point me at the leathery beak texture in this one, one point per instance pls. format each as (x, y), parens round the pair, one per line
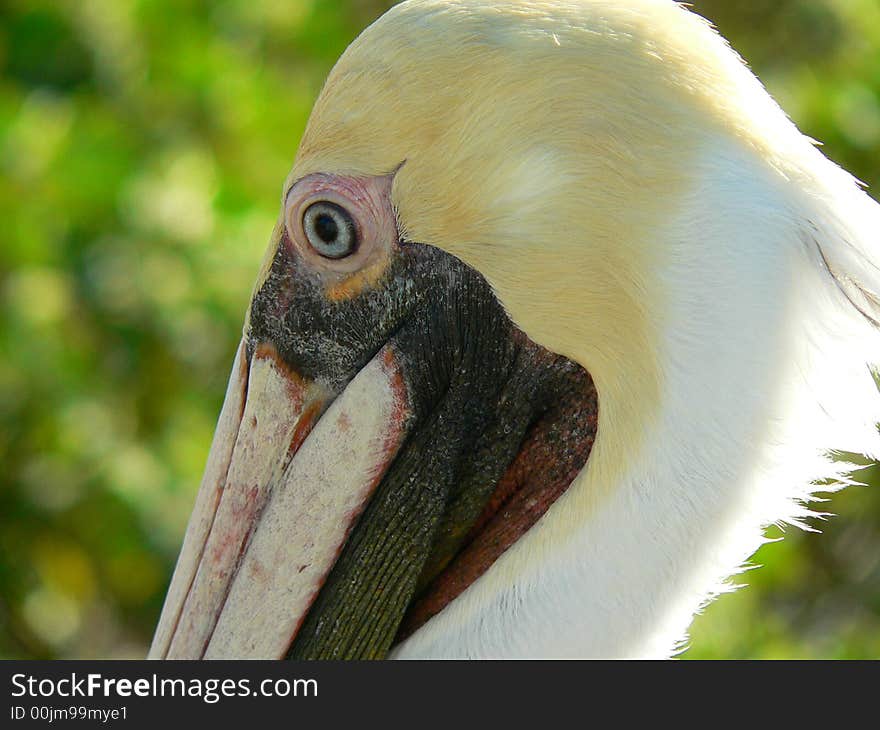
(275, 507)
(381, 445)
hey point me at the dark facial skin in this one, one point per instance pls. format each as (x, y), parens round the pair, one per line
(499, 429)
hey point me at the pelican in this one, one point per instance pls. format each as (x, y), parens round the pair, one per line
(561, 311)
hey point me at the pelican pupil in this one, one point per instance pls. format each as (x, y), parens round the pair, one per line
(330, 229)
(326, 228)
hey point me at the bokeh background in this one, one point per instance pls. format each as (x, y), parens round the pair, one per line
(143, 144)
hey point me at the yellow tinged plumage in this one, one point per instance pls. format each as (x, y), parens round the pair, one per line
(543, 150)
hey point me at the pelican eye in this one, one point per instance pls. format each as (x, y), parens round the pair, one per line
(330, 229)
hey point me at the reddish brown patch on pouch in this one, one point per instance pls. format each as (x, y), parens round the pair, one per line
(304, 426)
(243, 509)
(552, 454)
(258, 571)
(296, 384)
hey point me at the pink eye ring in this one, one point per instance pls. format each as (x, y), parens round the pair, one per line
(341, 224)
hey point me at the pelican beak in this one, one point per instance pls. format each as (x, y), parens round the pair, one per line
(287, 476)
(374, 455)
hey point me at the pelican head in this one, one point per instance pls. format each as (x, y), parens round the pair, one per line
(560, 312)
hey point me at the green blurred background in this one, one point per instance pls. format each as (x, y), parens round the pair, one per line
(143, 144)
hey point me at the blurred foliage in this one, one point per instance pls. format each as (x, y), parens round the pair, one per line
(143, 144)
